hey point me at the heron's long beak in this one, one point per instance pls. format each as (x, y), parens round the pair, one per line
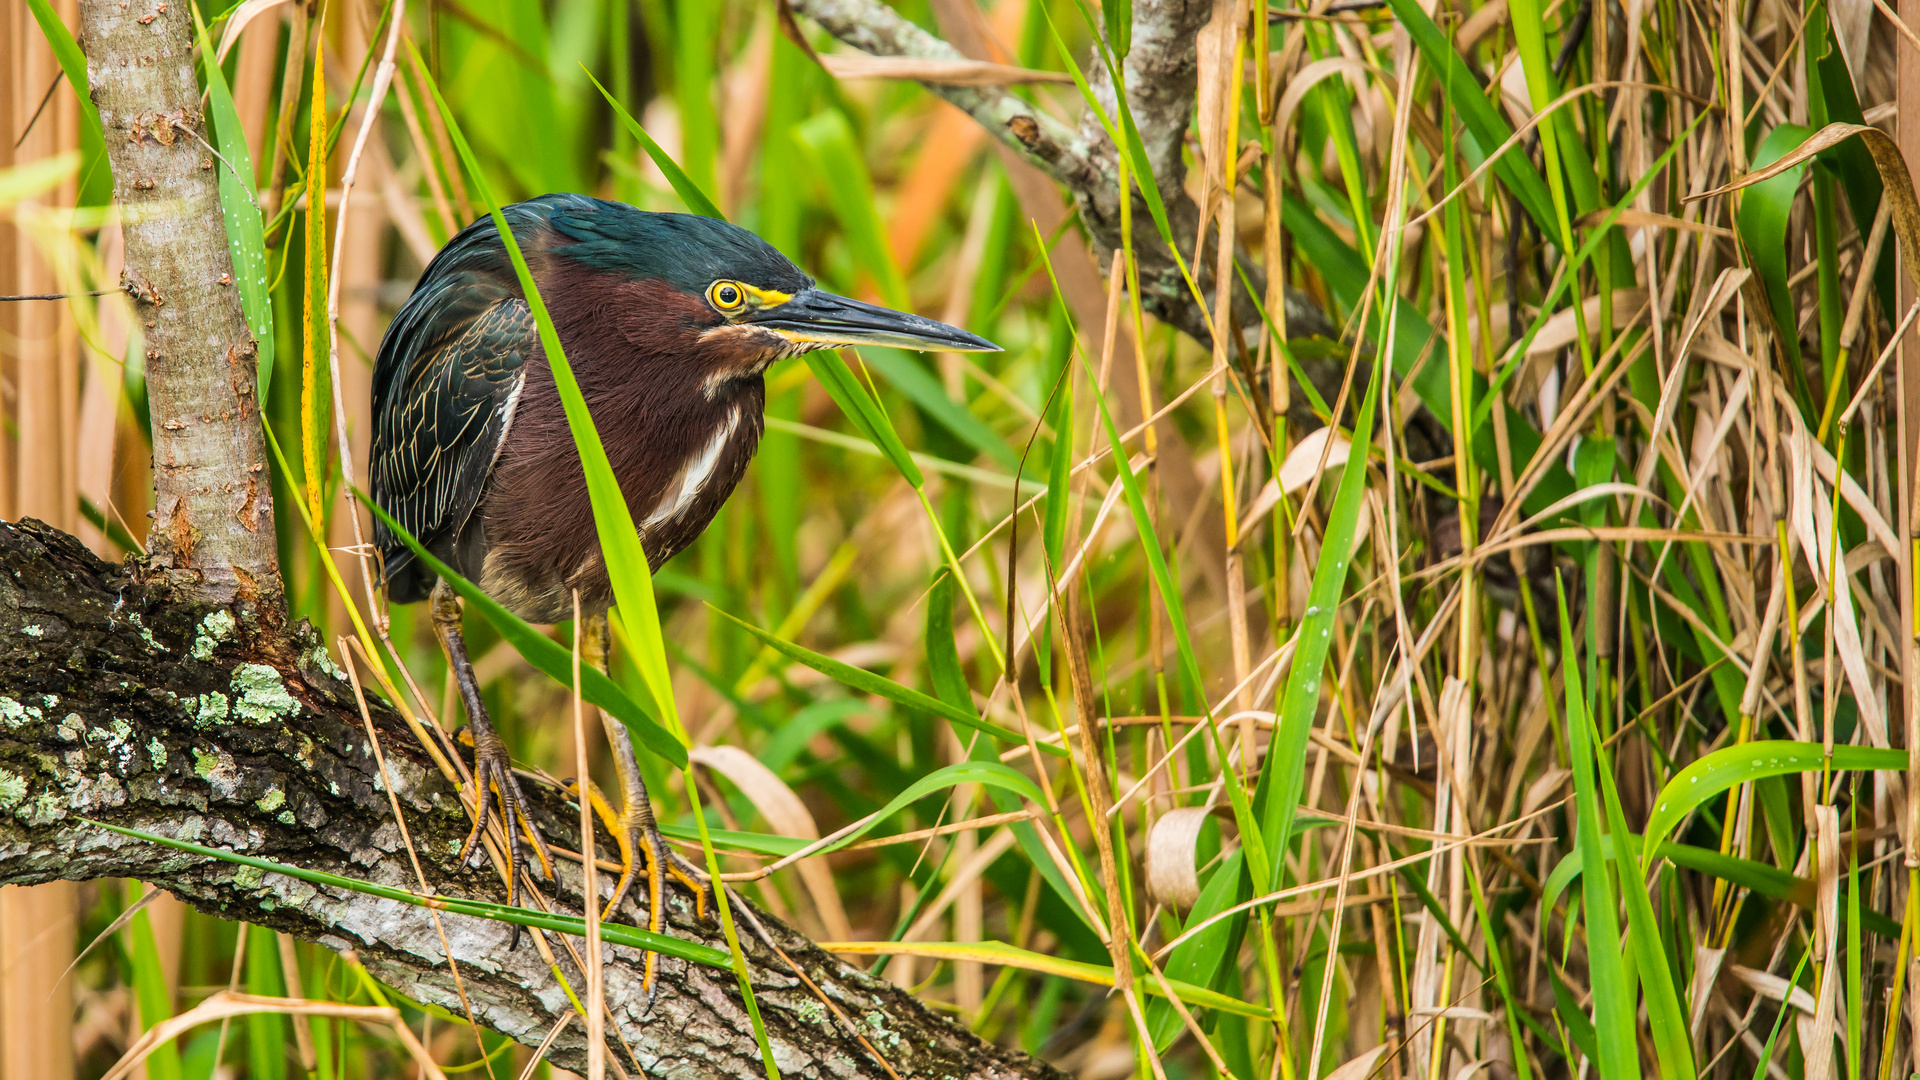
(821, 318)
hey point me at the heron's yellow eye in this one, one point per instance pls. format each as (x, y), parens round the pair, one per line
(726, 295)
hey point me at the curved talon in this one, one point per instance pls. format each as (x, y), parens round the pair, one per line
(493, 774)
(612, 820)
(635, 833)
(683, 872)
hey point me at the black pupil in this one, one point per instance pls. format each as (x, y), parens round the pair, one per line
(729, 295)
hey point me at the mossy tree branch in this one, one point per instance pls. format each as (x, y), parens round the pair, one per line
(124, 700)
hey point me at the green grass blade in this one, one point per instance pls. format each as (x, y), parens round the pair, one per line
(943, 654)
(1617, 1053)
(1563, 155)
(920, 387)
(1202, 960)
(1580, 259)
(1127, 142)
(683, 185)
(1765, 1063)
(1579, 1029)
(1483, 121)
(544, 653)
(883, 687)
(759, 843)
(240, 207)
(1283, 777)
(150, 990)
(865, 412)
(695, 35)
(1724, 768)
(1850, 159)
(73, 63)
(1000, 952)
(736, 957)
(950, 684)
(1768, 881)
(1503, 980)
(1762, 223)
(316, 403)
(1666, 1015)
(988, 773)
(1251, 837)
(630, 936)
(1119, 17)
(267, 1040)
(1347, 275)
(31, 178)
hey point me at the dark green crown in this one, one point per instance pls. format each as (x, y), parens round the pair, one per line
(687, 250)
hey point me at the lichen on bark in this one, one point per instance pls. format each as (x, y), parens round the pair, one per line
(107, 724)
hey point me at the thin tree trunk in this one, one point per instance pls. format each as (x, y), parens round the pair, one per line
(212, 532)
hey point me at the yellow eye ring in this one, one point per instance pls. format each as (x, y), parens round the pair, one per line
(726, 295)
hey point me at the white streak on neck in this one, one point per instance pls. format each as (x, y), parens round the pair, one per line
(693, 476)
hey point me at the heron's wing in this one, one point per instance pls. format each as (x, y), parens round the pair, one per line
(445, 387)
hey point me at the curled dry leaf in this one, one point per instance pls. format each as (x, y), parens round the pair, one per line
(1359, 1068)
(236, 22)
(1173, 878)
(786, 815)
(1647, 219)
(1311, 75)
(1564, 327)
(1472, 1068)
(1302, 463)
(1898, 183)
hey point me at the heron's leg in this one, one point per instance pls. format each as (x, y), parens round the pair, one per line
(492, 766)
(634, 829)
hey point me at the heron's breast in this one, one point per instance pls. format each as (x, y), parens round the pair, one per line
(676, 470)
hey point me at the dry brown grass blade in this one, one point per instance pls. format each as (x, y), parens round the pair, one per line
(539, 1054)
(226, 1004)
(918, 835)
(963, 878)
(114, 927)
(1819, 1040)
(1647, 219)
(1377, 870)
(788, 816)
(406, 835)
(931, 70)
(237, 20)
(290, 972)
(1894, 178)
(590, 888)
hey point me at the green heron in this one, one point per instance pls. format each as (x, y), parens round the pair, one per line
(669, 322)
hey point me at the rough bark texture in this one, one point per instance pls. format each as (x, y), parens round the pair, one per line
(123, 701)
(1160, 73)
(213, 519)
